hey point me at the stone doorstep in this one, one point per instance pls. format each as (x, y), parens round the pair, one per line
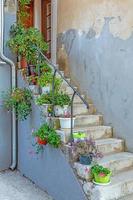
(121, 186)
(95, 132)
(116, 162)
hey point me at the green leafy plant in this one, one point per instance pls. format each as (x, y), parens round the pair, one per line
(24, 42)
(62, 99)
(46, 133)
(44, 99)
(18, 99)
(43, 68)
(100, 174)
(45, 79)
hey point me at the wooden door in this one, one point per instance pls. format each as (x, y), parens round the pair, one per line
(46, 24)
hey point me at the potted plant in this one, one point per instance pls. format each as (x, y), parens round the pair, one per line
(79, 136)
(101, 174)
(45, 103)
(62, 102)
(32, 80)
(65, 120)
(45, 81)
(43, 68)
(18, 99)
(46, 135)
(24, 42)
(86, 151)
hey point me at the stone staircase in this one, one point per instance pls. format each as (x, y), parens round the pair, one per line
(119, 161)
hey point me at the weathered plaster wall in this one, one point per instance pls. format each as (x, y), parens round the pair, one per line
(97, 37)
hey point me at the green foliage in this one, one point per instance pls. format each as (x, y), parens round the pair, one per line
(49, 134)
(62, 99)
(24, 2)
(24, 42)
(44, 99)
(97, 169)
(43, 67)
(45, 79)
(20, 100)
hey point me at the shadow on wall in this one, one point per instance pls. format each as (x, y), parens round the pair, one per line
(103, 66)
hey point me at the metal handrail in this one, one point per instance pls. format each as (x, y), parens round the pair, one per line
(75, 92)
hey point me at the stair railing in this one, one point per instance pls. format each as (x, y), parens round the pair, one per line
(75, 91)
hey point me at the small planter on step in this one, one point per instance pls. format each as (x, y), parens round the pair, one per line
(65, 121)
(85, 159)
(79, 136)
(59, 110)
(101, 175)
(62, 102)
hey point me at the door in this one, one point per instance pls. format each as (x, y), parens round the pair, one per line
(46, 24)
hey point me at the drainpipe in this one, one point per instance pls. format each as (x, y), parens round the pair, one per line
(13, 84)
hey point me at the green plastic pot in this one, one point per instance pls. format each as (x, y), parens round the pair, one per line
(102, 179)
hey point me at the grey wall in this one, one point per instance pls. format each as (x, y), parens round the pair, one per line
(103, 66)
(49, 170)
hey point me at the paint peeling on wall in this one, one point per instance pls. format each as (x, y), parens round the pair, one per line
(86, 14)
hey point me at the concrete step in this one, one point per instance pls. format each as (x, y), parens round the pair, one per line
(105, 146)
(80, 109)
(95, 132)
(111, 145)
(121, 186)
(116, 162)
(88, 120)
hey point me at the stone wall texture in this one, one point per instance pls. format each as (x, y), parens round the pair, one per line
(95, 45)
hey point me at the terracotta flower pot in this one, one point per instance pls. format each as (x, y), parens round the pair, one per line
(41, 142)
(23, 62)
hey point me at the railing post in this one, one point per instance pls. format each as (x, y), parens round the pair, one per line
(72, 99)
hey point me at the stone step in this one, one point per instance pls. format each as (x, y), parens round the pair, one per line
(68, 90)
(111, 145)
(116, 162)
(88, 120)
(105, 146)
(95, 132)
(121, 185)
(129, 197)
(80, 109)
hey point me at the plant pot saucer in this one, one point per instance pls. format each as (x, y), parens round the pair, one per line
(101, 184)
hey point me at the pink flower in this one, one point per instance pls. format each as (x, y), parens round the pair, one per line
(102, 174)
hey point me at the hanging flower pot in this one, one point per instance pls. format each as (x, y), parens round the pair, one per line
(41, 142)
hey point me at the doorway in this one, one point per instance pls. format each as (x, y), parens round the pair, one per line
(46, 23)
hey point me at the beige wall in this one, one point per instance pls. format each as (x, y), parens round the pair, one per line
(83, 14)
